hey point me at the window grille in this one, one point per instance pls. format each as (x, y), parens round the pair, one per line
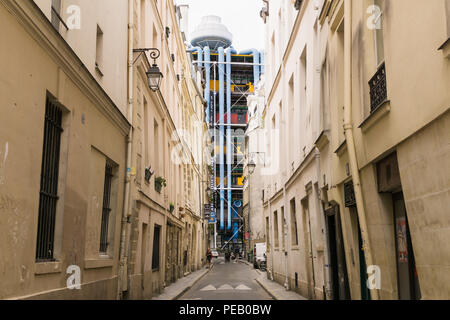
(106, 208)
(349, 195)
(48, 196)
(378, 88)
(156, 244)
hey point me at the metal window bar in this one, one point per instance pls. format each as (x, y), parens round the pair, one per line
(48, 195)
(156, 245)
(378, 88)
(106, 208)
(349, 195)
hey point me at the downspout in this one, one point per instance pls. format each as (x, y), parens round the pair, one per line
(221, 137)
(348, 127)
(122, 276)
(230, 150)
(256, 66)
(326, 269)
(207, 56)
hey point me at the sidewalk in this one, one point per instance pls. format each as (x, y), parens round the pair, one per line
(274, 289)
(177, 289)
(277, 291)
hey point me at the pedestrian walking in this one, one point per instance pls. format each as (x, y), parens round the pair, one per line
(208, 257)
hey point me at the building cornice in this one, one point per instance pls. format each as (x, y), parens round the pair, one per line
(30, 16)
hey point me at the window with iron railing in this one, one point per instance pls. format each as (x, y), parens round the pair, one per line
(378, 88)
(48, 196)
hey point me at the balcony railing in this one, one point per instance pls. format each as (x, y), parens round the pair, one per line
(378, 89)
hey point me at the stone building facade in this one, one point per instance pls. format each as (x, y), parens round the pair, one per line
(63, 131)
(370, 144)
(101, 178)
(167, 234)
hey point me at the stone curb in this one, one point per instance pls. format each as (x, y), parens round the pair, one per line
(266, 289)
(193, 283)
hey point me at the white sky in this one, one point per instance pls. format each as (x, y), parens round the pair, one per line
(240, 16)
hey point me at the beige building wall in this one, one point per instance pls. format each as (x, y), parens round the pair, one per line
(253, 185)
(167, 141)
(315, 163)
(410, 124)
(38, 65)
(291, 202)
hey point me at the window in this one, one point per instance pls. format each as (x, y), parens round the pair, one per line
(325, 94)
(142, 21)
(267, 233)
(106, 210)
(272, 54)
(49, 181)
(447, 13)
(156, 152)
(156, 245)
(340, 81)
(303, 87)
(294, 233)
(99, 51)
(275, 229)
(379, 40)
(56, 12)
(146, 142)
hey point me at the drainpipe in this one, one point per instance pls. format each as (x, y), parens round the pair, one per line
(122, 278)
(222, 139)
(326, 269)
(229, 51)
(348, 127)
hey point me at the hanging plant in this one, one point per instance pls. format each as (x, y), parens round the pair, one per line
(159, 183)
(171, 207)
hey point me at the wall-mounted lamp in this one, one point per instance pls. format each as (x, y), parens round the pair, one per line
(251, 167)
(154, 75)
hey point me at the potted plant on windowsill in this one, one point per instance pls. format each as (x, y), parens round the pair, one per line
(171, 207)
(159, 183)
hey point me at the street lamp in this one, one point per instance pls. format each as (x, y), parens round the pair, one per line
(251, 168)
(154, 75)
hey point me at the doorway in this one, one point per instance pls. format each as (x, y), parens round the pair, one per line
(338, 267)
(407, 277)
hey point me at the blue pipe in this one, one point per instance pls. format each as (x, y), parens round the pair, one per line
(230, 150)
(262, 58)
(235, 224)
(256, 68)
(208, 84)
(221, 134)
(199, 54)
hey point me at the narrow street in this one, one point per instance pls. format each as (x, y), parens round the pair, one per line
(228, 281)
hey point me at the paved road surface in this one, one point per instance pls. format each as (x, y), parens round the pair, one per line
(228, 281)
